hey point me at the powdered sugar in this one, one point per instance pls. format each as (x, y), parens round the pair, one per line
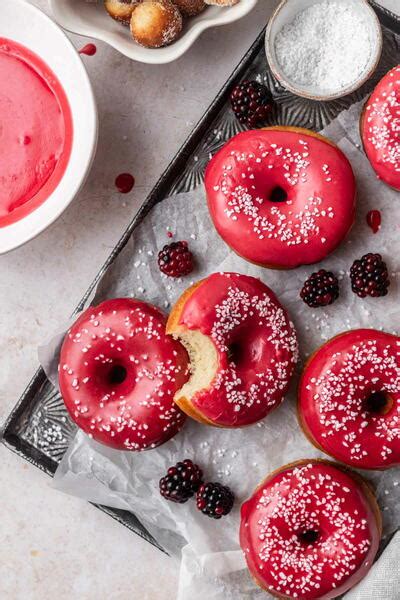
(326, 47)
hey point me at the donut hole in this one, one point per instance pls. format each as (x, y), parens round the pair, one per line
(308, 537)
(236, 352)
(278, 194)
(117, 375)
(378, 403)
(246, 348)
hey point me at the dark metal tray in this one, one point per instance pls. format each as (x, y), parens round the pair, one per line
(38, 429)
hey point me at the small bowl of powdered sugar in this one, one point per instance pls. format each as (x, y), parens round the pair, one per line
(323, 49)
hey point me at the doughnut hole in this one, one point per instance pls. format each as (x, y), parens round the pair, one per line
(155, 23)
(308, 537)
(378, 403)
(120, 10)
(247, 349)
(273, 189)
(190, 8)
(278, 194)
(115, 376)
(203, 362)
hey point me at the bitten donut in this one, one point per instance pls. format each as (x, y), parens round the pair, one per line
(380, 132)
(349, 399)
(281, 197)
(118, 374)
(310, 531)
(242, 348)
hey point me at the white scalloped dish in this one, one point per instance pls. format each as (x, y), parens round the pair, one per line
(89, 18)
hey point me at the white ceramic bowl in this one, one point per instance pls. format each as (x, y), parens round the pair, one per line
(89, 18)
(27, 25)
(285, 13)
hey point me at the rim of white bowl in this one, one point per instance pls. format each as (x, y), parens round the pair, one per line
(335, 95)
(158, 56)
(22, 231)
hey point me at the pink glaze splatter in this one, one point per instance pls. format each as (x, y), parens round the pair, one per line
(88, 50)
(374, 220)
(124, 183)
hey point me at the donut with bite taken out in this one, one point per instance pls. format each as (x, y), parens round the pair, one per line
(242, 348)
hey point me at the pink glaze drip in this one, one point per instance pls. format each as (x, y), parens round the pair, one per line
(124, 183)
(119, 372)
(374, 220)
(255, 343)
(309, 532)
(335, 398)
(89, 50)
(36, 131)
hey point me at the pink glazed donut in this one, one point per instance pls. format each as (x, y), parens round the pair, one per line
(349, 399)
(242, 347)
(310, 531)
(380, 130)
(119, 372)
(281, 197)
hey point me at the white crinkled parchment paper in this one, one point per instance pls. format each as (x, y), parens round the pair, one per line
(212, 565)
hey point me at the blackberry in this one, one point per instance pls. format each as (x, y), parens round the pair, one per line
(369, 276)
(251, 102)
(214, 500)
(181, 482)
(320, 289)
(175, 259)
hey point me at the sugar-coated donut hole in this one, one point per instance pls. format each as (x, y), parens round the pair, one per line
(155, 23)
(378, 403)
(308, 537)
(120, 10)
(190, 8)
(117, 374)
(278, 194)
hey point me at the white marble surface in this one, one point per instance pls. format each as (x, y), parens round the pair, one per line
(54, 546)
